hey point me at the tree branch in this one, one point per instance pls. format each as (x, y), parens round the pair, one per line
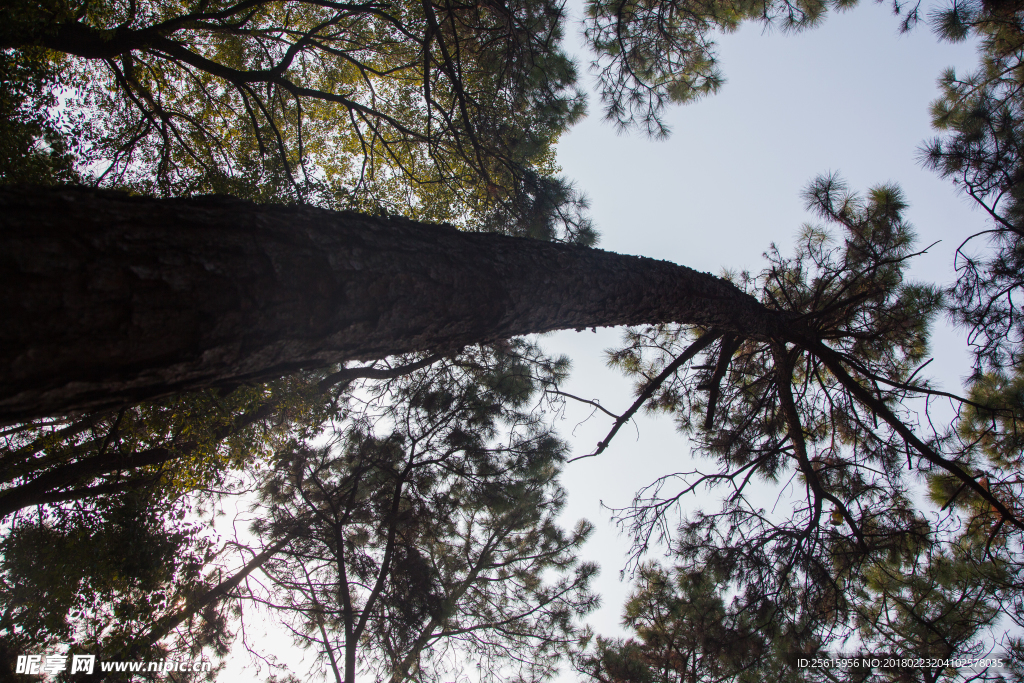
(652, 386)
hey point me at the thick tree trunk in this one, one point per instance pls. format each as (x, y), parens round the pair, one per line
(110, 298)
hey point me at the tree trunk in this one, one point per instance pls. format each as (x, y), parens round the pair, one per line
(111, 298)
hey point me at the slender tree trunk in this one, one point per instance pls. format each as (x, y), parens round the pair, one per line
(110, 299)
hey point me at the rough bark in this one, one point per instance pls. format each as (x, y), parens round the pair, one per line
(111, 298)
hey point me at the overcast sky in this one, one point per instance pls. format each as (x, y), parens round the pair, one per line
(850, 96)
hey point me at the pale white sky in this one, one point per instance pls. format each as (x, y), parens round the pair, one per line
(850, 96)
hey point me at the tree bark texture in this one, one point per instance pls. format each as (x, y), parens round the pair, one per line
(111, 298)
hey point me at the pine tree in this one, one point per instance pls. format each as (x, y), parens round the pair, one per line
(429, 498)
(852, 557)
(92, 579)
(686, 632)
(254, 291)
(423, 534)
(979, 116)
(437, 111)
(801, 374)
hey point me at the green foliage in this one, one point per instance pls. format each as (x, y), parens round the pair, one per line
(994, 421)
(437, 112)
(36, 144)
(980, 117)
(651, 53)
(850, 556)
(92, 579)
(180, 444)
(417, 513)
(427, 525)
(933, 605)
(685, 631)
(988, 435)
(463, 453)
(848, 290)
